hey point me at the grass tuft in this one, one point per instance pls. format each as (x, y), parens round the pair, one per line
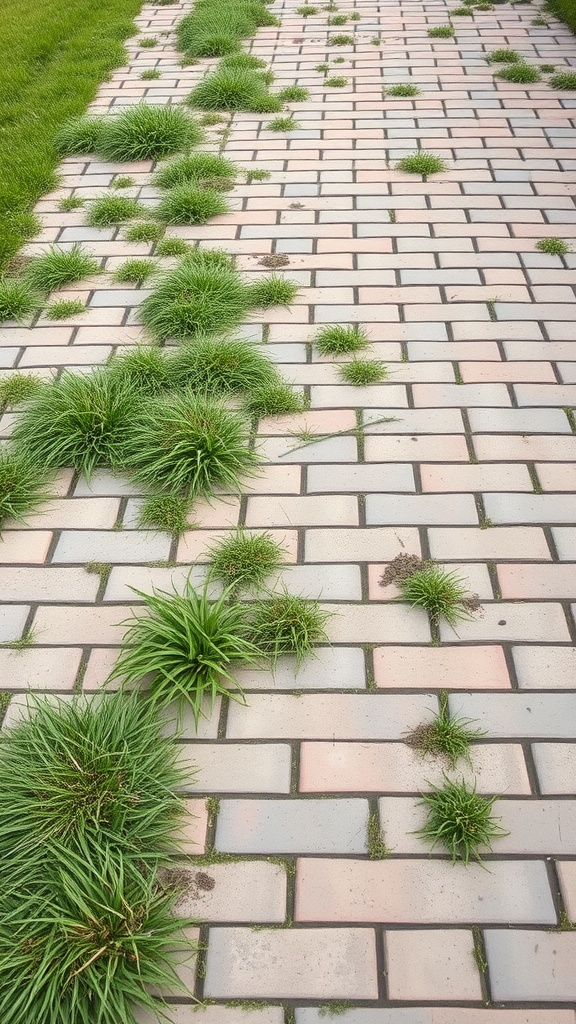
(548, 69)
(63, 309)
(244, 61)
(553, 246)
(340, 40)
(195, 169)
(273, 291)
(445, 737)
(402, 91)
(18, 300)
(461, 12)
(375, 841)
(421, 163)
(124, 181)
(135, 271)
(188, 443)
(361, 372)
(283, 124)
(504, 56)
(18, 388)
(78, 420)
(109, 210)
(222, 367)
(338, 19)
(441, 32)
(199, 296)
(188, 646)
(145, 231)
(70, 203)
(234, 88)
(150, 75)
(147, 42)
(257, 175)
(307, 11)
(337, 340)
(520, 74)
(143, 370)
(287, 624)
(165, 512)
(439, 592)
(460, 819)
(245, 560)
(188, 203)
(22, 482)
(563, 80)
(172, 247)
(79, 135)
(335, 82)
(144, 132)
(294, 94)
(58, 267)
(274, 399)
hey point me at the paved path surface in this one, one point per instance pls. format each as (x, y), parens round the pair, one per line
(476, 470)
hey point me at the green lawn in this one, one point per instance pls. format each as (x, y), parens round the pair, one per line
(565, 9)
(53, 55)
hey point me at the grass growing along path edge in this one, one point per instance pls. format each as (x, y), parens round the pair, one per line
(53, 56)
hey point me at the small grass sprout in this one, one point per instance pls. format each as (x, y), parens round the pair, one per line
(63, 309)
(283, 124)
(167, 513)
(22, 482)
(70, 203)
(361, 372)
(108, 211)
(340, 40)
(108, 776)
(145, 231)
(421, 163)
(257, 175)
(441, 32)
(18, 387)
(245, 560)
(58, 267)
(150, 74)
(520, 74)
(18, 300)
(143, 369)
(188, 646)
(190, 204)
(188, 444)
(306, 11)
(402, 91)
(199, 296)
(504, 56)
(274, 399)
(337, 340)
(145, 132)
(195, 168)
(340, 60)
(322, 68)
(375, 842)
(79, 135)
(172, 247)
(335, 82)
(294, 94)
(78, 420)
(135, 271)
(441, 593)
(563, 80)
(553, 246)
(445, 737)
(222, 367)
(287, 624)
(355, 16)
(124, 181)
(460, 819)
(547, 69)
(338, 19)
(273, 291)
(147, 42)
(539, 22)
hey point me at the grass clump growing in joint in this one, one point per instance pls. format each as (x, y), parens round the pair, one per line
(283, 124)
(150, 74)
(520, 74)
(361, 372)
(63, 309)
(58, 267)
(441, 32)
(189, 645)
(18, 300)
(553, 246)
(445, 737)
(145, 231)
(460, 819)
(439, 592)
(504, 56)
(401, 91)
(165, 512)
(107, 211)
(22, 482)
(144, 132)
(273, 291)
(274, 399)
(287, 624)
(293, 94)
(245, 560)
(338, 340)
(341, 40)
(335, 82)
(79, 135)
(135, 271)
(194, 168)
(70, 203)
(188, 203)
(144, 370)
(222, 367)
(421, 163)
(563, 80)
(18, 388)
(231, 88)
(172, 247)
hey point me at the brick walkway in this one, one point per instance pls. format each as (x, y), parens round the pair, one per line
(476, 470)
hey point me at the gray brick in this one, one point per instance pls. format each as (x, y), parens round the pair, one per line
(103, 484)
(418, 1015)
(146, 578)
(427, 509)
(331, 668)
(345, 396)
(461, 395)
(294, 245)
(532, 965)
(546, 394)
(556, 768)
(12, 621)
(111, 546)
(520, 421)
(517, 621)
(292, 826)
(530, 508)
(86, 234)
(519, 715)
(415, 421)
(448, 277)
(302, 190)
(338, 582)
(565, 541)
(360, 478)
(238, 767)
(546, 667)
(334, 449)
(248, 891)
(359, 545)
(47, 583)
(119, 297)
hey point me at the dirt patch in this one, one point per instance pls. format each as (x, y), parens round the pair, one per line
(276, 260)
(401, 568)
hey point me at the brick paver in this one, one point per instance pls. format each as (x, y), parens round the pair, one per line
(464, 454)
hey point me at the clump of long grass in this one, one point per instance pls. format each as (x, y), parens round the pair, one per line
(190, 203)
(446, 736)
(245, 560)
(206, 32)
(187, 646)
(143, 370)
(58, 267)
(78, 420)
(18, 388)
(287, 624)
(273, 291)
(187, 443)
(63, 309)
(233, 88)
(274, 399)
(460, 819)
(18, 300)
(197, 168)
(221, 367)
(22, 485)
(145, 132)
(336, 340)
(165, 512)
(135, 271)
(79, 135)
(108, 210)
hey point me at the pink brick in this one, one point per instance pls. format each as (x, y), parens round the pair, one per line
(476, 477)
(309, 510)
(497, 542)
(511, 371)
(481, 667)
(559, 476)
(431, 964)
(64, 626)
(24, 546)
(412, 448)
(76, 513)
(537, 581)
(39, 668)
